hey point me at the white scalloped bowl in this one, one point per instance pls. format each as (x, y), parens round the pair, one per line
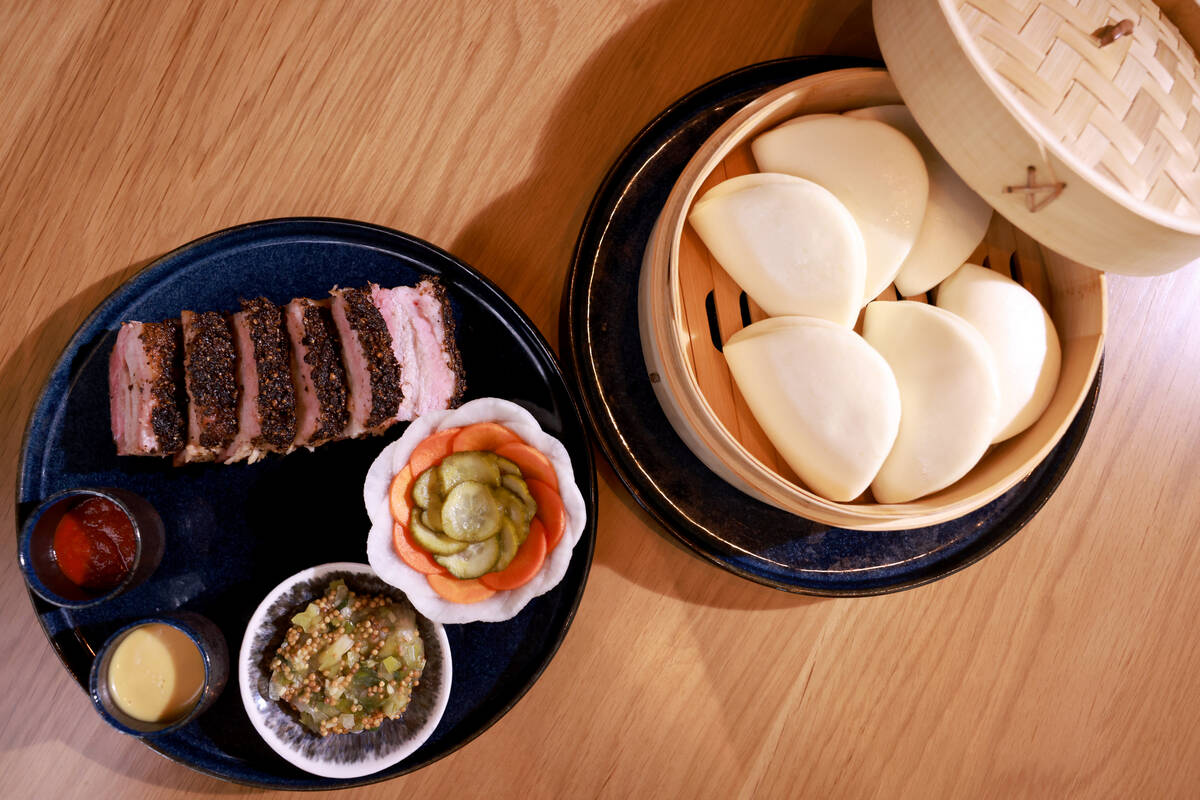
(383, 558)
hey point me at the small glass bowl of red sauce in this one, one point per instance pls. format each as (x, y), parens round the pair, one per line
(81, 547)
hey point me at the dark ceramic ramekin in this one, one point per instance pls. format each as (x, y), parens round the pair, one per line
(36, 545)
(213, 650)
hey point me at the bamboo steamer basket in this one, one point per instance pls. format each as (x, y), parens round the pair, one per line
(689, 306)
(1078, 120)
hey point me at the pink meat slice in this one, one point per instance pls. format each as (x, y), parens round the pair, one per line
(242, 447)
(372, 371)
(422, 331)
(208, 366)
(142, 381)
(267, 397)
(317, 372)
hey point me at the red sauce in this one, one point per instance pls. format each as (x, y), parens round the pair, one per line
(94, 544)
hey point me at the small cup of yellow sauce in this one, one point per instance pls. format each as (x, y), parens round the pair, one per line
(157, 675)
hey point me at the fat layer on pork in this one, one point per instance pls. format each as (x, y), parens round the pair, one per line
(421, 327)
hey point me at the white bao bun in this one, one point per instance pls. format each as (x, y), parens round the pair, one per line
(389, 567)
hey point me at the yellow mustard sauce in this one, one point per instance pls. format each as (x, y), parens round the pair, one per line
(156, 673)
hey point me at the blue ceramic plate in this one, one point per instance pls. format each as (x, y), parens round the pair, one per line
(719, 523)
(234, 532)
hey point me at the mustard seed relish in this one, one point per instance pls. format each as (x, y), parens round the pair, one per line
(348, 662)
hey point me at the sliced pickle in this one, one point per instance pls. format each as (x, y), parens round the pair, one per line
(470, 513)
(434, 510)
(472, 465)
(516, 510)
(507, 467)
(514, 507)
(517, 486)
(433, 541)
(426, 487)
(475, 560)
(508, 544)
(432, 519)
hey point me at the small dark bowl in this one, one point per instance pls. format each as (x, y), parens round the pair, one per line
(37, 546)
(213, 650)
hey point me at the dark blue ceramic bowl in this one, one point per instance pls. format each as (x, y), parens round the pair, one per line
(213, 651)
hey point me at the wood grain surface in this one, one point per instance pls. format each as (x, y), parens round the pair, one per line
(1065, 664)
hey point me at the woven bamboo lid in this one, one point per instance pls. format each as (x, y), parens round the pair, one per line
(1078, 120)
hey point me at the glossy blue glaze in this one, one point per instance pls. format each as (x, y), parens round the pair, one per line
(714, 520)
(234, 532)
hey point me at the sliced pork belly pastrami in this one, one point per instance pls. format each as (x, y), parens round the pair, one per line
(422, 330)
(268, 379)
(143, 381)
(372, 372)
(448, 375)
(267, 404)
(317, 373)
(208, 368)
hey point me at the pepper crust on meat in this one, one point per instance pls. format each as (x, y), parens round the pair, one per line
(376, 342)
(276, 395)
(208, 364)
(434, 287)
(328, 374)
(161, 342)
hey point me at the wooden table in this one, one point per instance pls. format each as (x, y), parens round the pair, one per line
(1065, 664)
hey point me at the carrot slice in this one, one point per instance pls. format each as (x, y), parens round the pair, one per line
(398, 496)
(483, 436)
(459, 591)
(431, 451)
(533, 462)
(413, 554)
(525, 564)
(550, 511)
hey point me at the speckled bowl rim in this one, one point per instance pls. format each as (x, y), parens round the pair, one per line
(247, 671)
